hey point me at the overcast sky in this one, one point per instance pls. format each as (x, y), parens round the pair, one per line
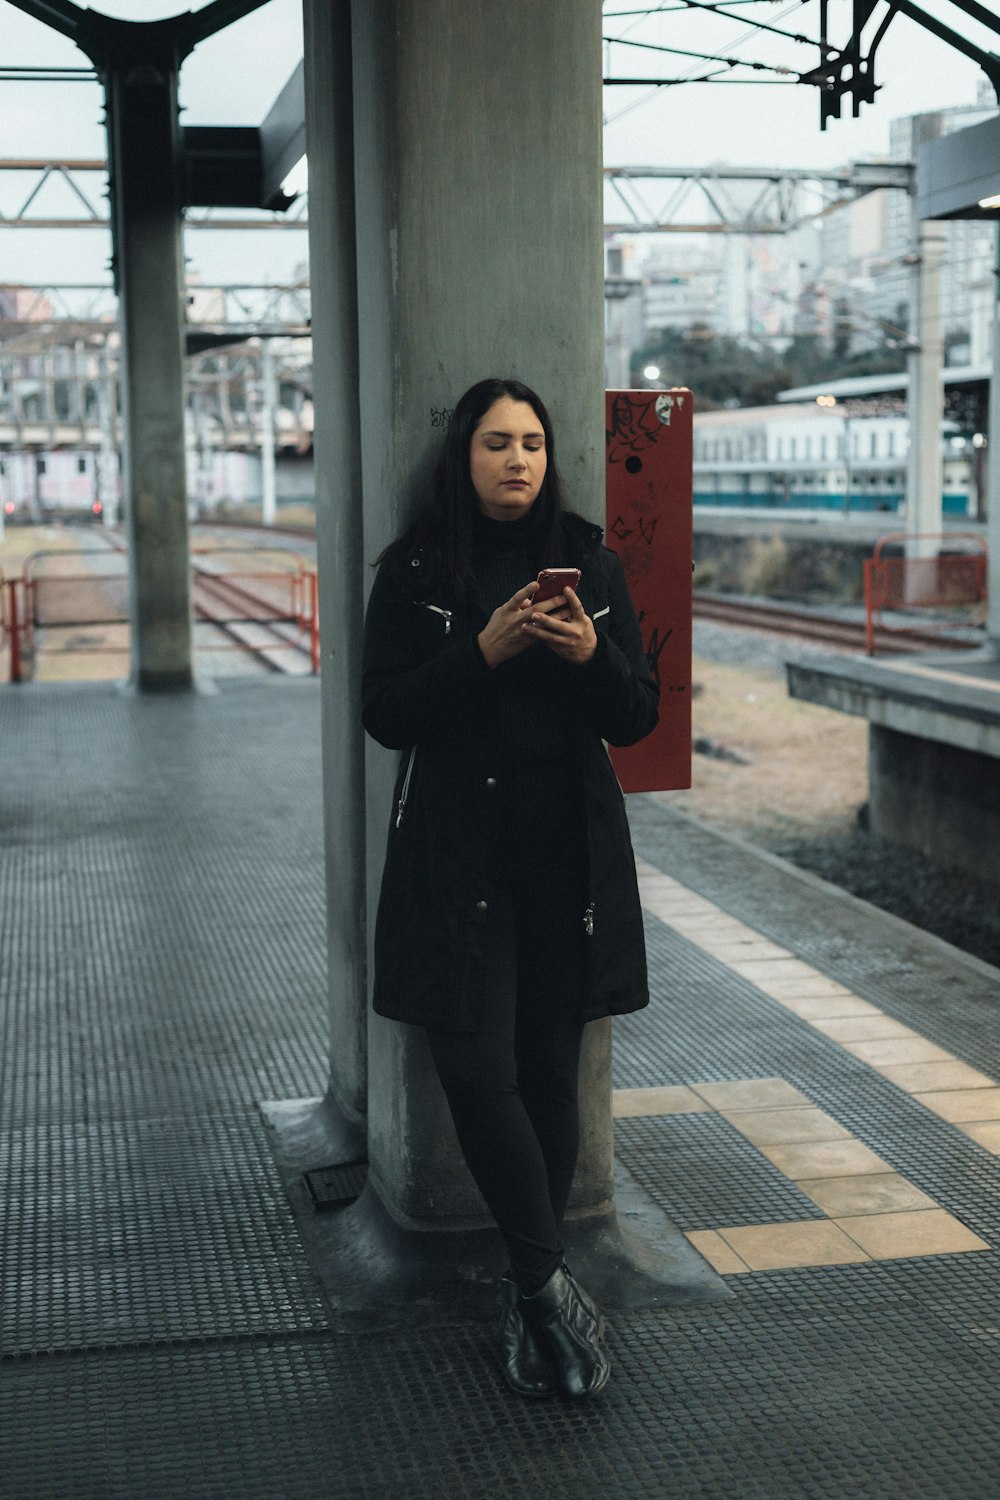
(233, 79)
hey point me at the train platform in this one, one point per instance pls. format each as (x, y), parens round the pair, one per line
(812, 1098)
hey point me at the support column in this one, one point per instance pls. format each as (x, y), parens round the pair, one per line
(993, 472)
(268, 403)
(107, 460)
(478, 158)
(334, 1130)
(925, 399)
(143, 147)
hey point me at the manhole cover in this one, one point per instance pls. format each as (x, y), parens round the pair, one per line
(329, 1186)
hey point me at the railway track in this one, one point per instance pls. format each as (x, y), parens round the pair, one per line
(254, 619)
(813, 625)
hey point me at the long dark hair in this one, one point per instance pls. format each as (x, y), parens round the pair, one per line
(443, 528)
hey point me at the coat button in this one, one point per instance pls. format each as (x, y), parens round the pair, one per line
(491, 782)
(482, 906)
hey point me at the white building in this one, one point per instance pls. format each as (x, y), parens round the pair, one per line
(812, 457)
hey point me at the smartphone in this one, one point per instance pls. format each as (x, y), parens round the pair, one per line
(552, 581)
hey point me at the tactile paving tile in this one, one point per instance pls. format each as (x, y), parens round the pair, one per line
(814, 1384)
(156, 898)
(149, 1247)
(147, 1231)
(704, 1175)
(708, 1023)
(911, 976)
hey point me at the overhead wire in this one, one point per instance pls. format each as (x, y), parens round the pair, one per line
(715, 76)
(733, 62)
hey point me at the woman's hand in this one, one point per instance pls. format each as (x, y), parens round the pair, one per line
(569, 631)
(506, 634)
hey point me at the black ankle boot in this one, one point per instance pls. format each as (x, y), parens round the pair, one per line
(525, 1366)
(571, 1331)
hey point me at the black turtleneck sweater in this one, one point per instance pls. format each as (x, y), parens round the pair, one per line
(527, 722)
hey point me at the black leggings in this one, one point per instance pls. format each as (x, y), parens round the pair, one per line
(513, 1087)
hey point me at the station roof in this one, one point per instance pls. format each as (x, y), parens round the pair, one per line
(880, 385)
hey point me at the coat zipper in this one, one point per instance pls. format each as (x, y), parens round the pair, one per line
(445, 615)
(401, 804)
(588, 920)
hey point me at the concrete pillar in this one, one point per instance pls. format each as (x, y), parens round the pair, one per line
(143, 147)
(336, 1130)
(479, 224)
(925, 400)
(268, 405)
(107, 458)
(993, 472)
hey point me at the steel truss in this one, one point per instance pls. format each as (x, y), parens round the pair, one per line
(737, 200)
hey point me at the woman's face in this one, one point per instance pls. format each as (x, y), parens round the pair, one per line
(507, 459)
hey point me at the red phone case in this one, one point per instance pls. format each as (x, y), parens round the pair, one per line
(552, 581)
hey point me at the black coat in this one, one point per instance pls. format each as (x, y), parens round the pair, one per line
(425, 691)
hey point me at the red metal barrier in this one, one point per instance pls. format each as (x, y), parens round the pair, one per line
(10, 623)
(648, 450)
(263, 600)
(948, 583)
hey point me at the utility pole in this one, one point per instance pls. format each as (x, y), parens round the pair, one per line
(268, 405)
(993, 473)
(924, 403)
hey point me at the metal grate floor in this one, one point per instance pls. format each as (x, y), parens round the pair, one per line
(161, 1334)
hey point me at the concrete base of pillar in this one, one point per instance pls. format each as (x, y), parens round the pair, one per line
(313, 1133)
(939, 799)
(379, 1273)
(179, 682)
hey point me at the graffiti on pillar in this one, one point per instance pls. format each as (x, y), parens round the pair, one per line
(441, 415)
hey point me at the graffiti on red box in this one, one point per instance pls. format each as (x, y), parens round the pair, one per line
(648, 446)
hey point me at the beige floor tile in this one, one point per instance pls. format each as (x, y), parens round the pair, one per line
(825, 1007)
(921, 1078)
(771, 969)
(930, 1231)
(815, 984)
(729, 952)
(751, 1093)
(690, 921)
(825, 1159)
(915, 1049)
(769, 1127)
(720, 1256)
(675, 1099)
(986, 1133)
(861, 1028)
(809, 1242)
(963, 1104)
(882, 1193)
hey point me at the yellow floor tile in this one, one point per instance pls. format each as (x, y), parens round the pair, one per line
(809, 1242)
(930, 1231)
(861, 1028)
(882, 1193)
(963, 1104)
(815, 984)
(673, 1100)
(760, 970)
(986, 1133)
(751, 1093)
(824, 1007)
(921, 1078)
(720, 1256)
(731, 952)
(769, 1127)
(915, 1049)
(825, 1159)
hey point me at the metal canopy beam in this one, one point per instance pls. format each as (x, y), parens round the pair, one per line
(787, 197)
(955, 171)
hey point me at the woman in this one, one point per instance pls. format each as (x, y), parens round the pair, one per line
(509, 914)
